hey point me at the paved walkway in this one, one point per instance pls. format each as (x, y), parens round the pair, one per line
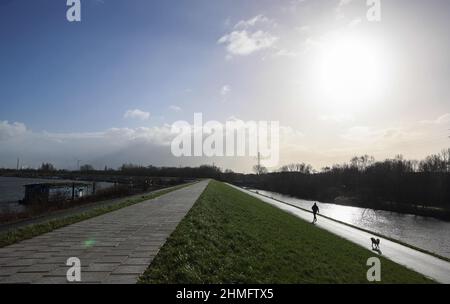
(113, 248)
(428, 265)
(60, 214)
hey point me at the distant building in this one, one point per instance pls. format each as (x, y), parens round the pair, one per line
(52, 192)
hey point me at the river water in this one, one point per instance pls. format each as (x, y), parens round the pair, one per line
(12, 190)
(423, 232)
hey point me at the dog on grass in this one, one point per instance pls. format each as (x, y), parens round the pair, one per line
(375, 244)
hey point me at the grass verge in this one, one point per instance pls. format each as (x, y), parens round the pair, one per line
(365, 230)
(28, 232)
(231, 237)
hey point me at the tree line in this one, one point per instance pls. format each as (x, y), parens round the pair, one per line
(48, 169)
(393, 184)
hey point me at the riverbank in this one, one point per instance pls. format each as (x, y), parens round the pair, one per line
(74, 210)
(375, 204)
(231, 237)
(50, 224)
(43, 209)
(426, 234)
(12, 193)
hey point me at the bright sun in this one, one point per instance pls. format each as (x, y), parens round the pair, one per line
(351, 72)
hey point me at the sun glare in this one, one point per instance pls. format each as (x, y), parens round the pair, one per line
(351, 71)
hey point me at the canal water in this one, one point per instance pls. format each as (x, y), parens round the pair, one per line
(423, 232)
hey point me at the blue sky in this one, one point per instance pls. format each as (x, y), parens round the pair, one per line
(132, 67)
(124, 54)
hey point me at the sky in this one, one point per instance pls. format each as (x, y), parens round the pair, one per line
(106, 90)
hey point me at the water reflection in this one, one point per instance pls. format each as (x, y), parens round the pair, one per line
(424, 232)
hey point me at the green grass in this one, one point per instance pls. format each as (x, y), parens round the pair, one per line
(28, 232)
(365, 230)
(231, 237)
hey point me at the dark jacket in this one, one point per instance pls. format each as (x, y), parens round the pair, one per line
(315, 209)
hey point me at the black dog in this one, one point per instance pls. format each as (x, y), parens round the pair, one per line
(375, 244)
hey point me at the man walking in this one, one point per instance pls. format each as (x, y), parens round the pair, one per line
(315, 210)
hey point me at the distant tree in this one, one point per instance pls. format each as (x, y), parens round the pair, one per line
(260, 170)
(47, 167)
(436, 163)
(371, 184)
(301, 168)
(362, 163)
(445, 155)
(127, 167)
(326, 169)
(87, 168)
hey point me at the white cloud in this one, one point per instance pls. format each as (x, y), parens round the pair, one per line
(111, 147)
(385, 136)
(438, 121)
(151, 145)
(175, 108)
(11, 130)
(225, 90)
(249, 36)
(260, 19)
(137, 114)
(245, 43)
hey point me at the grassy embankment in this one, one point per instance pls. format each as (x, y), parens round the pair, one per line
(365, 230)
(231, 237)
(31, 231)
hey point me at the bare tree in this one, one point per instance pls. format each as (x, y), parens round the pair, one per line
(260, 170)
(300, 168)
